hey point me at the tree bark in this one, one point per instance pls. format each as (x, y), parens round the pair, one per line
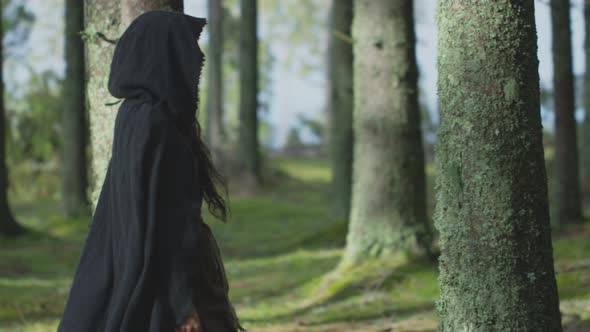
(109, 18)
(341, 105)
(130, 9)
(75, 182)
(214, 128)
(569, 208)
(496, 263)
(388, 216)
(8, 225)
(101, 16)
(248, 63)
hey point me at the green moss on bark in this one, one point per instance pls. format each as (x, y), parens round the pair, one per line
(496, 264)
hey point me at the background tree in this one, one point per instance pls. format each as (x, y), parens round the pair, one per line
(492, 211)
(248, 65)
(8, 225)
(14, 30)
(74, 166)
(105, 21)
(585, 141)
(388, 215)
(215, 127)
(569, 208)
(341, 104)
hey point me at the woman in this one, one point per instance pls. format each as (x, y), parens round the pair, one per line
(149, 262)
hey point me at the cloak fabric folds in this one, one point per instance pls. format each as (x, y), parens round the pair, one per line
(146, 260)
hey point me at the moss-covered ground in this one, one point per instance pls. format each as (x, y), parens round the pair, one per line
(282, 250)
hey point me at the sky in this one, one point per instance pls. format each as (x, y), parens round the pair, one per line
(293, 92)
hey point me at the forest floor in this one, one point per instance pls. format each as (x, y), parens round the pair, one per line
(282, 250)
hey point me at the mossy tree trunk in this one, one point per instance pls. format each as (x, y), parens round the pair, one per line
(109, 18)
(249, 153)
(214, 128)
(496, 264)
(569, 209)
(8, 225)
(75, 181)
(341, 104)
(388, 215)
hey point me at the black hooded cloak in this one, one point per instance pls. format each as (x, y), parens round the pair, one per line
(149, 259)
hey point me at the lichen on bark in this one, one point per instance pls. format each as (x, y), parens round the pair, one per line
(100, 16)
(496, 264)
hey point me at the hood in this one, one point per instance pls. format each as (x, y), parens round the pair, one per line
(158, 58)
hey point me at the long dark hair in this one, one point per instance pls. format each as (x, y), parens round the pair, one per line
(210, 179)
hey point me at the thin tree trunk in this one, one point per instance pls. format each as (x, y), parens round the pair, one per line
(248, 127)
(496, 263)
(214, 128)
(341, 104)
(566, 152)
(585, 143)
(388, 216)
(109, 18)
(8, 225)
(75, 200)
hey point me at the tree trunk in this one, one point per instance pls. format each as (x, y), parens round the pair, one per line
(585, 143)
(101, 16)
(341, 104)
(566, 153)
(388, 216)
(109, 18)
(214, 128)
(75, 200)
(8, 225)
(130, 9)
(248, 127)
(496, 264)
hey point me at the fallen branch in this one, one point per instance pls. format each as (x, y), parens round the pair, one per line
(575, 267)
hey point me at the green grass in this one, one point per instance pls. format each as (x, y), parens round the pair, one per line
(282, 250)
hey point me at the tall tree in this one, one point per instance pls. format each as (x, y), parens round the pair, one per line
(341, 104)
(248, 64)
(566, 152)
(214, 128)
(496, 263)
(585, 141)
(388, 214)
(74, 175)
(8, 225)
(105, 21)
